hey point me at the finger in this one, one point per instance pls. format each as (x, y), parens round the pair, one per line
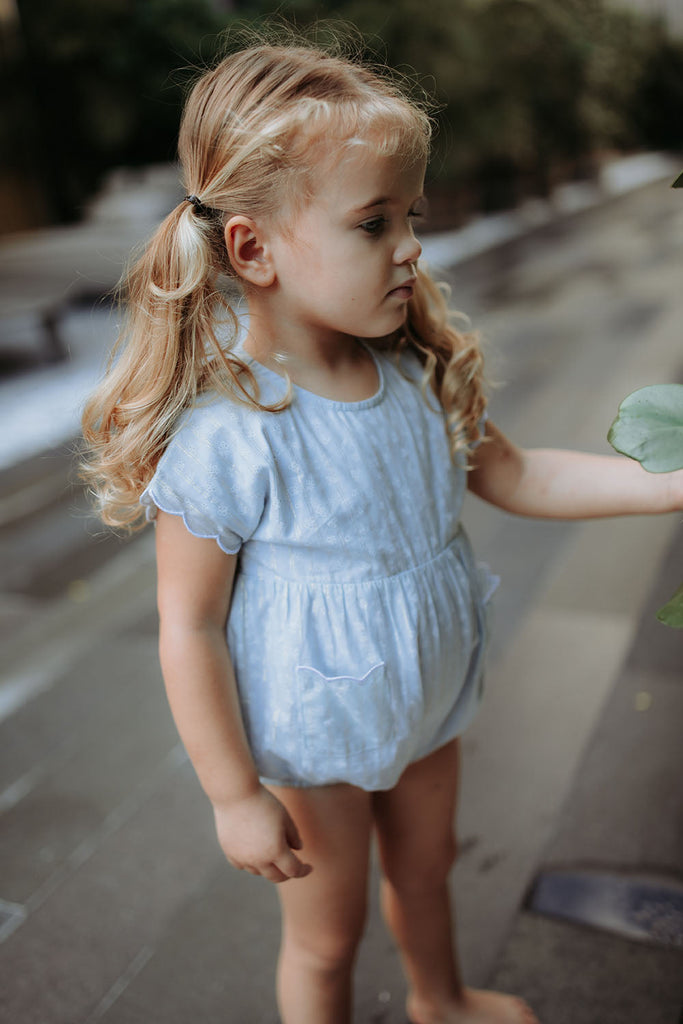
(272, 873)
(290, 865)
(241, 867)
(292, 835)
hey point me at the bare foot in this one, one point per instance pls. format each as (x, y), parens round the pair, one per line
(475, 1007)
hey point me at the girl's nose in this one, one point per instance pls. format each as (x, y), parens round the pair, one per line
(409, 250)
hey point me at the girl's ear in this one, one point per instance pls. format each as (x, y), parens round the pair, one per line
(249, 252)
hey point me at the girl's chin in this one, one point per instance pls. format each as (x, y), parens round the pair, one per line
(392, 324)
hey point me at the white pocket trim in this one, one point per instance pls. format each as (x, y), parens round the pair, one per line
(336, 679)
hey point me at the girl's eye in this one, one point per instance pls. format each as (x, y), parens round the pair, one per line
(374, 226)
(416, 215)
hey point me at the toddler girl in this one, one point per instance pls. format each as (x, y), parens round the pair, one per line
(322, 618)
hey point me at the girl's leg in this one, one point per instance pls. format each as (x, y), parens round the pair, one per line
(323, 914)
(415, 824)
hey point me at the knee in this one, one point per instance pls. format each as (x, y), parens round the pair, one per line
(328, 953)
(325, 943)
(420, 870)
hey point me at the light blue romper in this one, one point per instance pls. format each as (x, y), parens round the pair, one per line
(357, 623)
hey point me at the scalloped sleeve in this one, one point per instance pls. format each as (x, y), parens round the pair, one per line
(213, 476)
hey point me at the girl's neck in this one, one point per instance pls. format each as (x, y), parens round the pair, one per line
(276, 335)
(339, 367)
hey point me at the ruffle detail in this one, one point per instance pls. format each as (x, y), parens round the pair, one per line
(198, 524)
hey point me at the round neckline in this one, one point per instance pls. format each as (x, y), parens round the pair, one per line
(330, 403)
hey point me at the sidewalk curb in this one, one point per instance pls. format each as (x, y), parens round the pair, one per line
(449, 248)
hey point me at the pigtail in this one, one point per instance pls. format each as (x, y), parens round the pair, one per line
(453, 361)
(168, 353)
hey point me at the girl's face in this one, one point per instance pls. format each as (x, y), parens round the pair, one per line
(346, 264)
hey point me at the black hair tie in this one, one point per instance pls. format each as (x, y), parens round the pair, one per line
(197, 203)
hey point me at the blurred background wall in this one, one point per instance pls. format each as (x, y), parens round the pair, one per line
(532, 92)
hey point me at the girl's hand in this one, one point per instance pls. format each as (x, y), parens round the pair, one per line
(676, 489)
(257, 835)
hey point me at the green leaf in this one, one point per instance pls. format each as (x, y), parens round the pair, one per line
(672, 612)
(678, 183)
(649, 427)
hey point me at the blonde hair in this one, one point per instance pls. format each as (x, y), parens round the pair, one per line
(245, 147)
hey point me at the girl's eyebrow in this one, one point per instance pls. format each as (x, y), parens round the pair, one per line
(384, 200)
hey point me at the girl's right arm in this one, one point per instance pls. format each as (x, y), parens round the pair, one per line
(195, 579)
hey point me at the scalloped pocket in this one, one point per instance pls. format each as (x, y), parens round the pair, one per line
(345, 717)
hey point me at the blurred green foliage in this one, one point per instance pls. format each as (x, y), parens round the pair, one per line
(649, 429)
(529, 91)
(532, 90)
(90, 85)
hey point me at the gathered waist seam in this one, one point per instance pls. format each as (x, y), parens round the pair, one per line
(459, 540)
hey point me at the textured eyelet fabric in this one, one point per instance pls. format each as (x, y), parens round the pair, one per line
(358, 620)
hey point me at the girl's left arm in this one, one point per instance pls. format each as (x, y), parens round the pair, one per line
(556, 484)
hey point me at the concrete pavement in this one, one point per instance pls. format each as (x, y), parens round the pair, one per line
(117, 905)
(621, 822)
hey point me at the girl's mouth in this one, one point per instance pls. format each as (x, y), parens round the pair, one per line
(404, 291)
